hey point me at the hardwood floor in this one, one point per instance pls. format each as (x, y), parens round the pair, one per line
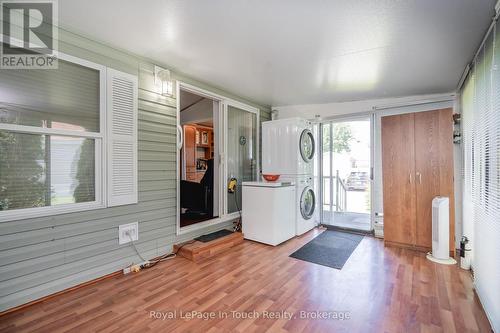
(381, 289)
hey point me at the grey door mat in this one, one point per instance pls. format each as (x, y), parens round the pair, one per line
(331, 248)
(214, 235)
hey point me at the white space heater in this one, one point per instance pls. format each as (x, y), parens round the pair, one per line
(441, 232)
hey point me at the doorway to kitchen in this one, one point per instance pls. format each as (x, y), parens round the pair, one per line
(217, 150)
(346, 177)
(199, 175)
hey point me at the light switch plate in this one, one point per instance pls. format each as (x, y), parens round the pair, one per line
(132, 229)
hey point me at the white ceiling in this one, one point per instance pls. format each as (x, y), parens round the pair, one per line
(188, 99)
(280, 52)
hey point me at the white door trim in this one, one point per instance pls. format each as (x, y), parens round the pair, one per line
(222, 137)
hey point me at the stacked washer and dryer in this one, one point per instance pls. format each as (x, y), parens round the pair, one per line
(288, 150)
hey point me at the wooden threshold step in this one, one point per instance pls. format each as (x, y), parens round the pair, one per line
(198, 251)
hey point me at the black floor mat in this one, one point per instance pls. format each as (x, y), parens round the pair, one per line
(214, 235)
(192, 218)
(330, 248)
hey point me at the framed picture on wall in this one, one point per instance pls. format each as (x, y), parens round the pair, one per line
(204, 138)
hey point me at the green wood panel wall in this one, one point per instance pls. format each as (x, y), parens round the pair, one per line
(44, 255)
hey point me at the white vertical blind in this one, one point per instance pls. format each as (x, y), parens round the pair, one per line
(467, 103)
(481, 137)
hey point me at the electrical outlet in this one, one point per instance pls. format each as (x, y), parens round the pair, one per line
(127, 232)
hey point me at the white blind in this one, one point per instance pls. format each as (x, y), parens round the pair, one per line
(467, 103)
(122, 138)
(481, 141)
(65, 98)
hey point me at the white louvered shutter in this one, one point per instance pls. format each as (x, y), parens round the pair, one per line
(122, 138)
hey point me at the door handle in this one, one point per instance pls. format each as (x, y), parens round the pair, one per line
(180, 141)
(419, 175)
(409, 176)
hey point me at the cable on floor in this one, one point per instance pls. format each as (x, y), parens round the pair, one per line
(237, 226)
(135, 248)
(152, 263)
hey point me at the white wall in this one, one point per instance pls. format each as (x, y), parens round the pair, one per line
(380, 108)
(328, 110)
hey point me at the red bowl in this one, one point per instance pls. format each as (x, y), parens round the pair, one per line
(271, 178)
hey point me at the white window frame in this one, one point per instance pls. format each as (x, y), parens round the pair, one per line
(100, 153)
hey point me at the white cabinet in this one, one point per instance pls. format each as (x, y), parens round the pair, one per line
(268, 214)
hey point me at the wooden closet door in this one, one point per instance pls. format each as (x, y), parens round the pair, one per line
(398, 162)
(434, 170)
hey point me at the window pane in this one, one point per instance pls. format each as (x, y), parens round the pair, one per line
(42, 170)
(22, 171)
(63, 98)
(325, 142)
(72, 169)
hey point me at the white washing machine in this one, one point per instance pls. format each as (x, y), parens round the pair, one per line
(288, 147)
(306, 203)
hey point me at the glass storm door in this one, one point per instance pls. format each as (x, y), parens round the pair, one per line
(346, 173)
(241, 153)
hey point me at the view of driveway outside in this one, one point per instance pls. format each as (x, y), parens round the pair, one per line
(346, 168)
